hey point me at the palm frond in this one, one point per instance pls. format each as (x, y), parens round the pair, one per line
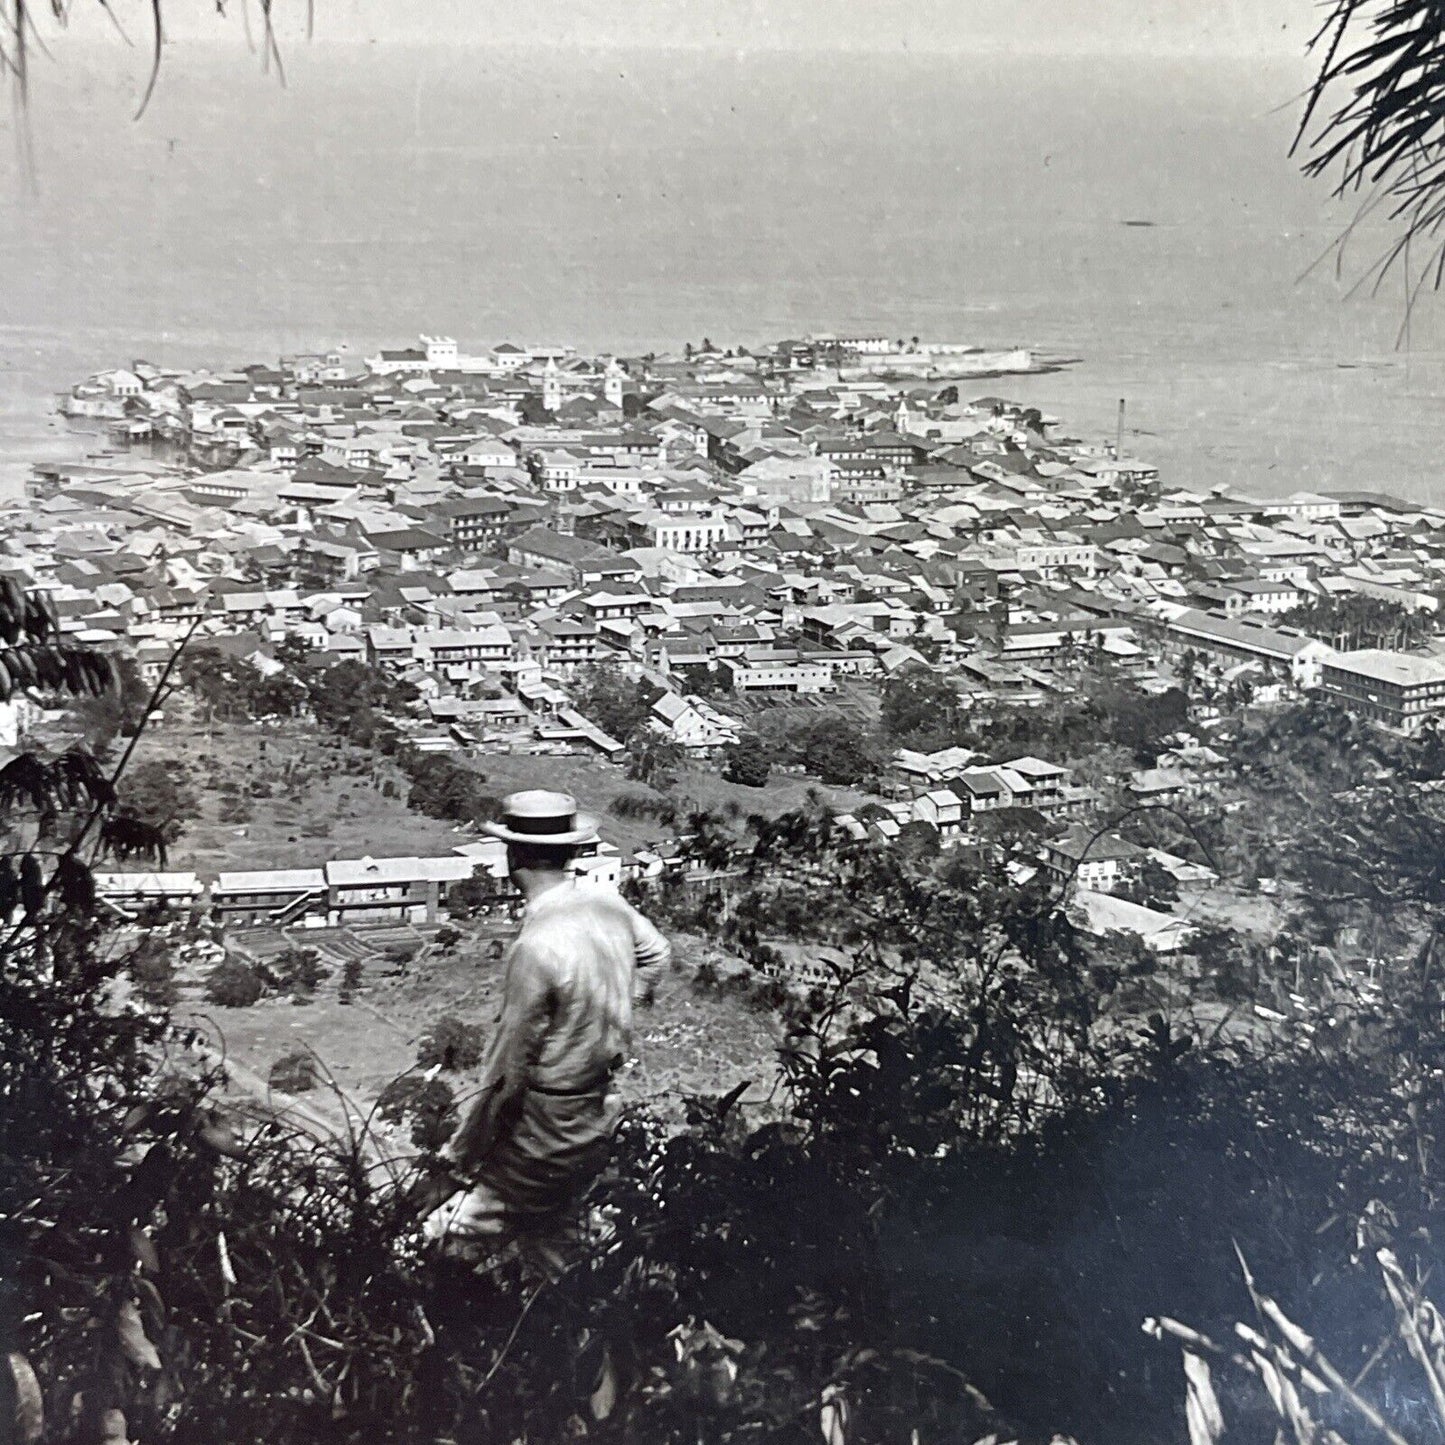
(1374, 124)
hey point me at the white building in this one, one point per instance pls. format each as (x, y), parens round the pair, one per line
(690, 723)
(775, 674)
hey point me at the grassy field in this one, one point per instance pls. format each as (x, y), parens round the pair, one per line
(316, 802)
(688, 1040)
(289, 797)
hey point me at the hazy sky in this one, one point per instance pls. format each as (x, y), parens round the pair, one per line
(1169, 27)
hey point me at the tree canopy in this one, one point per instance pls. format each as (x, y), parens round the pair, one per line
(617, 703)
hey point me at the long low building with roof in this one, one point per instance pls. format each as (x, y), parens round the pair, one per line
(132, 893)
(345, 890)
(275, 896)
(1279, 650)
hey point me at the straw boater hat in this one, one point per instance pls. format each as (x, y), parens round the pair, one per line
(538, 816)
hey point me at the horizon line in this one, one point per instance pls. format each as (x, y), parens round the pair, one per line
(297, 45)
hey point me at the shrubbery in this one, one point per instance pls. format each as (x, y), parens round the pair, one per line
(977, 1175)
(443, 788)
(921, 709)
(153, 972)
(352, 977)
(234, 983)
(293, 1073)
(828, 743)
(605, 695)
(954, 1220)
(429, 1105)
(746, 762)
(161, 793)
(300, 972)
(451, 1044)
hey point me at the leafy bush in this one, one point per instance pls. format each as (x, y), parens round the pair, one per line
(293, 1073)
(452, 1044)
(920, 709)
(441, 788)
(832, 746)
(633, 804)
(234, 983)
(768, 995)
(300, 971)
(429, 1105)
(467, 898)
(608, 697)
(746, 762)
(161, 793)
(153, 971)
(637, 804)
(653, 757)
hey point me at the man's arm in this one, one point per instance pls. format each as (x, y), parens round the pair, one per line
(649, 947)
(521, 1030)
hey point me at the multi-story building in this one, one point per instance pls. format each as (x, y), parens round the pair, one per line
(376, 890)
(472, 523)
(1397, 689)
(562, 643)
(1090, 860)
(454, 646)
(273, 896)
(681, 531)
(886, 447)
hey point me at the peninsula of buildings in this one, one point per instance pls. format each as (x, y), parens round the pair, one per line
(734, 527)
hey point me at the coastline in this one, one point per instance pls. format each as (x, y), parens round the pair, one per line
(1257, 426)
(29, 439)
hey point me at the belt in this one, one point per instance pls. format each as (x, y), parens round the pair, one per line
(591, 1093)
(600, 1087)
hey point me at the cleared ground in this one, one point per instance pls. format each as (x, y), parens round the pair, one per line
(288, 796)
(281, 797)
(305, 799)
(688, 1040)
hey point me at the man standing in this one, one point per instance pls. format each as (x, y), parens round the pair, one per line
(539, 1131)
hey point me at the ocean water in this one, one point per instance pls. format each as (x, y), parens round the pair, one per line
(633, 199)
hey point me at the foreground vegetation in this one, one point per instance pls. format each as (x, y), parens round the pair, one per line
(992, 1150)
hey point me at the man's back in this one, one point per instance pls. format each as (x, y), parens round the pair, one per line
(579, 947)
(567, 1010)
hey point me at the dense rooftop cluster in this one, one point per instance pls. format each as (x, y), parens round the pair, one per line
(815, 518)
(776, 520)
